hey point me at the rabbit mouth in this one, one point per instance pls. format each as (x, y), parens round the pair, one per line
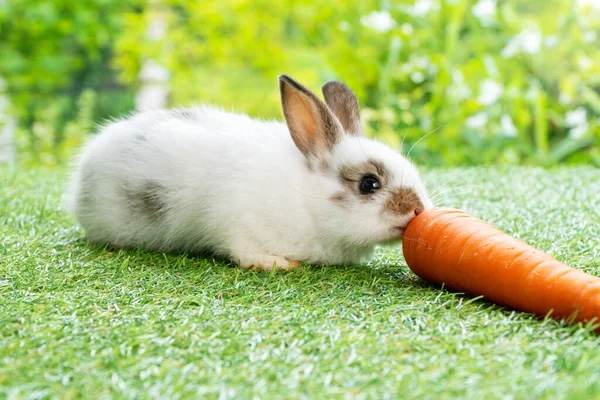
(399, 230)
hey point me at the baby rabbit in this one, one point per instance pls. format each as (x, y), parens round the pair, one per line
(264, 194)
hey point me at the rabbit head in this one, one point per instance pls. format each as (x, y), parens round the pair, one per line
(368, 192)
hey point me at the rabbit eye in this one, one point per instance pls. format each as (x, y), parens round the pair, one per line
(369, 184)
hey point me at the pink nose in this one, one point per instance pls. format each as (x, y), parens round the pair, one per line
(418, 210)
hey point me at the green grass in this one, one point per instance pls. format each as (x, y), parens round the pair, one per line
(79, 320)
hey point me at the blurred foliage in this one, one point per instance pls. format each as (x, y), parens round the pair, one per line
(451, 81)
(52, 53)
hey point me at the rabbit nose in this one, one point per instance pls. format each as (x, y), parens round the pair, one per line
(404, 203)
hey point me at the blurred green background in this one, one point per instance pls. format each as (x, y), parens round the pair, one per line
(466, 82)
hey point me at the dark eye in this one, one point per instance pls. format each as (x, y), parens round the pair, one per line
(369, 184)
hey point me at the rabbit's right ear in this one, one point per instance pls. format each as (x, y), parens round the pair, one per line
(313, 126)
(344, 104)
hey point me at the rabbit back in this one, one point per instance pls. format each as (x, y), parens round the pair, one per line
(187, 180)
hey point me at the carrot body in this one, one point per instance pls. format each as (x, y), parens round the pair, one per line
(450, 247)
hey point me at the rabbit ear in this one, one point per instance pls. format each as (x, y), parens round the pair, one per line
(312, 125)
(344, 104)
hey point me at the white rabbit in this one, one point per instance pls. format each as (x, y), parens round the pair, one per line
(263, 194)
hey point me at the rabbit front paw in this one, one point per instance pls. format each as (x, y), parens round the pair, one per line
(267, 263)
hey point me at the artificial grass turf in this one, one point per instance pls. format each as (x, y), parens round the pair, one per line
(83, 321)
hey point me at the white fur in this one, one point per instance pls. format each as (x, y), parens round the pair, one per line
(234, 186)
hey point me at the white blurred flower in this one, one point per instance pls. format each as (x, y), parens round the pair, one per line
(532, 93)
(576, 117)
(417, 63)
(421, 62)
(578, 131)
(531, 41)
(152, 71)
(477, 120)
(345, 26)
(458, 89)
(490, 65)
(564, 98)
(584, 63)
(595, 4)
(407, 29)
(423, 7)
(528, 41)
(426, 123)
(485, 11)
(511, 49)
(590, 36)
(457, 76)
(417, 77)
(157, 29)
(395, 44)
(489, 92)
(551, 41)
(461, 92)
(380, 21)
(508, 127)
(4, 104)
(577, 121)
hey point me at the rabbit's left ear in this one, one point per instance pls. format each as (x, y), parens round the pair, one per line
(344, 104)
(314, 128)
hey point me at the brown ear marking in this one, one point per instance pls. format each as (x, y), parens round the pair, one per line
(290, 81)
(312, 125)
(344, 104)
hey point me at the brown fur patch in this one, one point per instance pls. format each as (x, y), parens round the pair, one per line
(403, 201)
(344, 105)
(382, 172)
(340, 199)
(148, 200)
(324, 165)
(315, 164)
(350, 175)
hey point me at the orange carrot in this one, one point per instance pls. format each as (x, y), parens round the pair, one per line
(450, 247)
